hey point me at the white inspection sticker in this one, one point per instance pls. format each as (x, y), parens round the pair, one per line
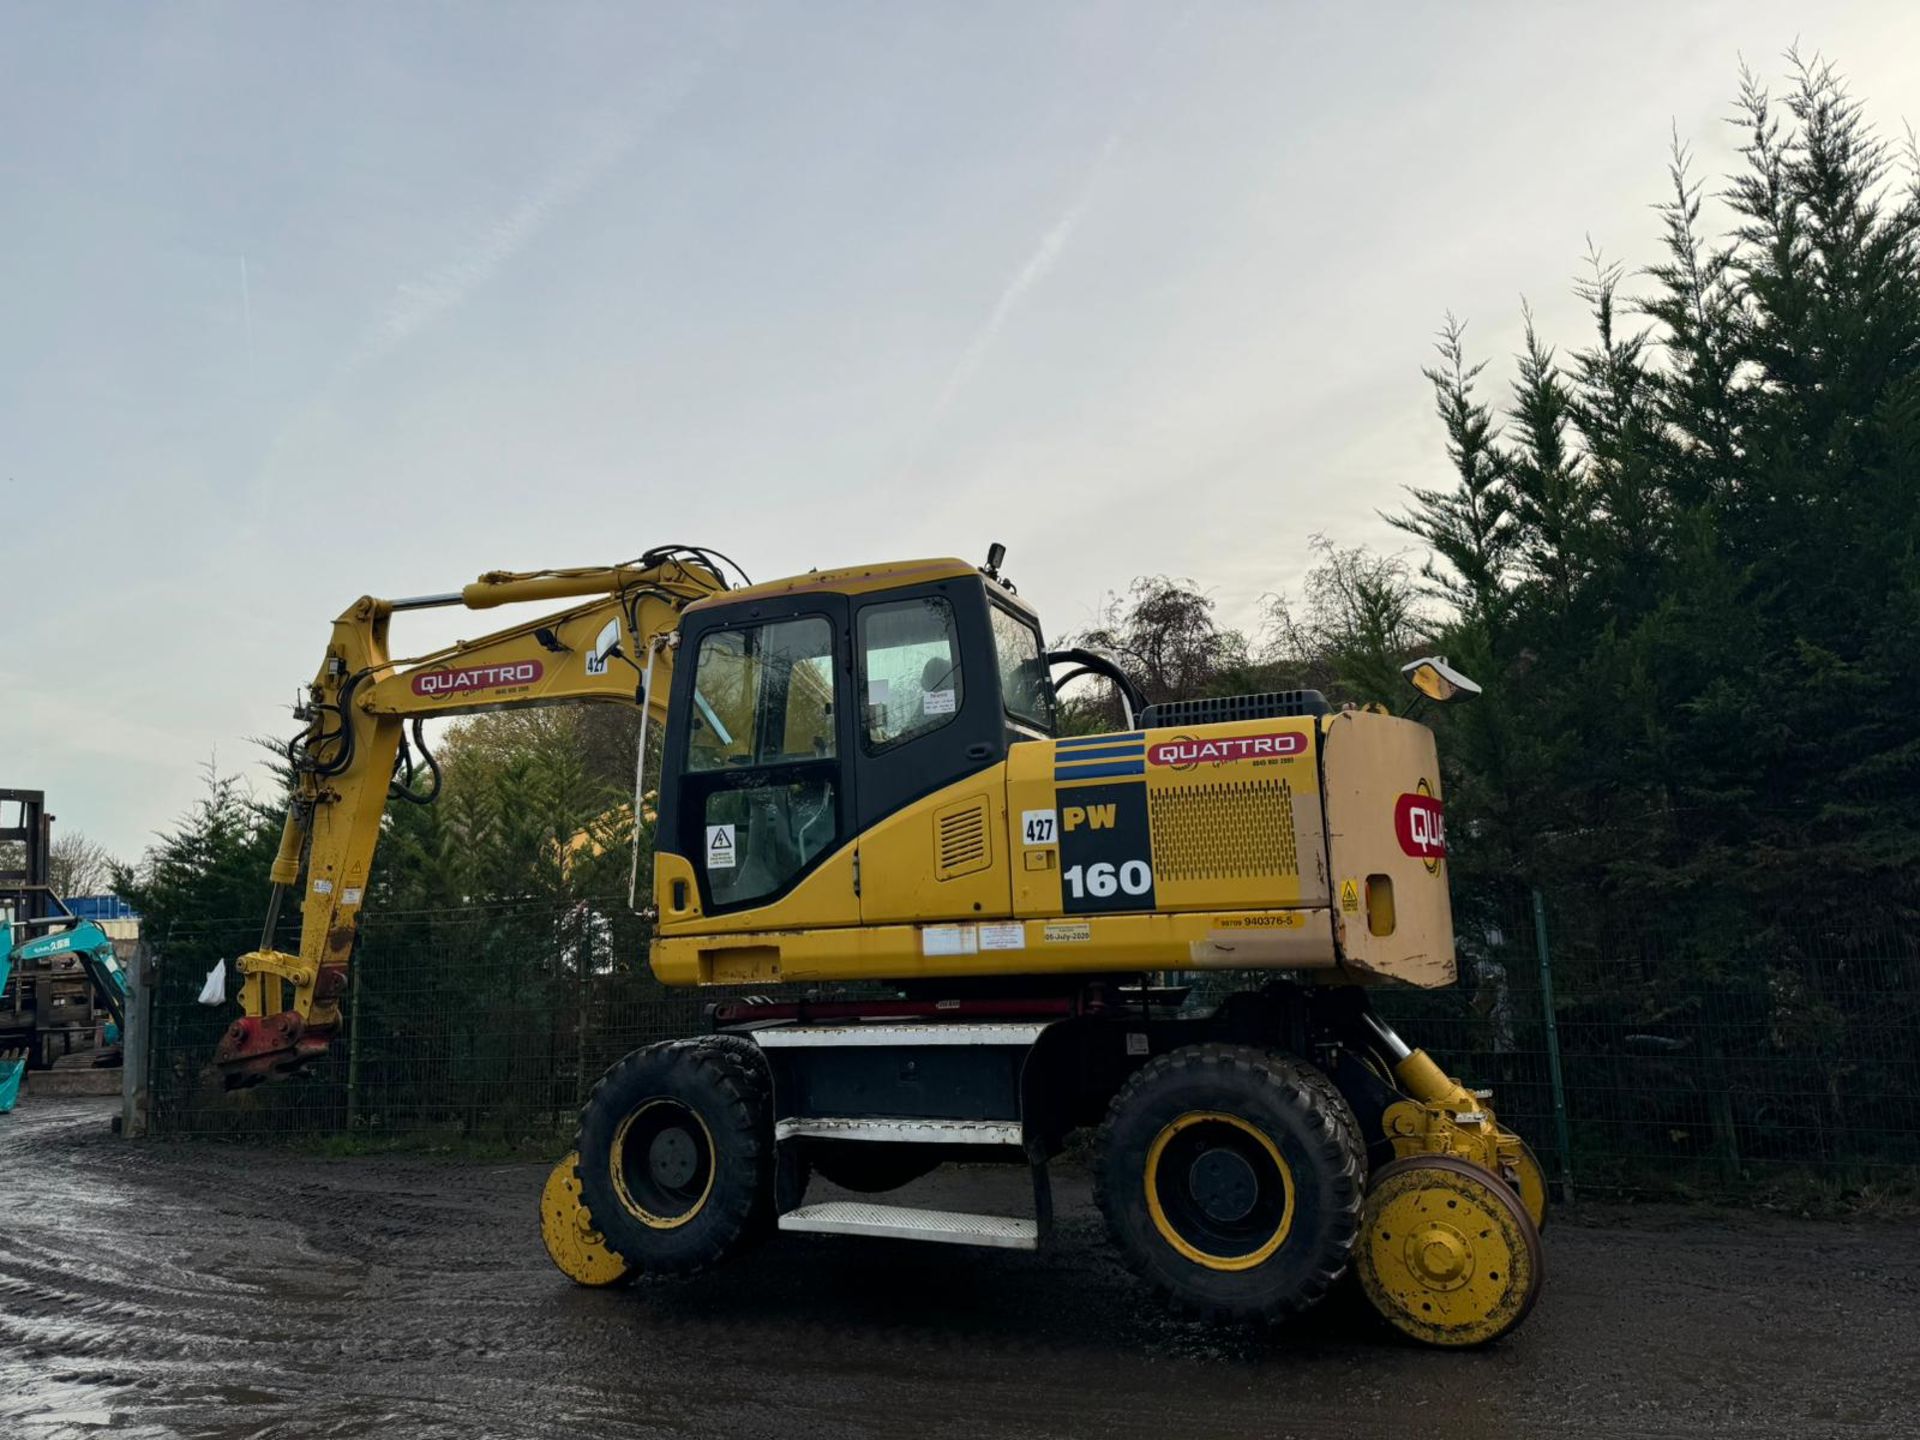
(937, 702)
(720, 847)
(350, 895)
(1003, 935)
(323, 887)
(949, 940)
(1039, 827)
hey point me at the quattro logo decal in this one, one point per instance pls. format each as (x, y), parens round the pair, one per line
(1183, 752)
(478, 677)
(1420, 824)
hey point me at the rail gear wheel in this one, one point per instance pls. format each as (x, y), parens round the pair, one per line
(572, 1242)
(1229, 1182)
(1447, 1253)
(676, 1157)
(1530, 1182)
(868, 1167)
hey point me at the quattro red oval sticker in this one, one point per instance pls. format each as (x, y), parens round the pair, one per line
(1421, 826)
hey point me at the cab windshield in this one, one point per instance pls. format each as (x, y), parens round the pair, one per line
(1024, 681)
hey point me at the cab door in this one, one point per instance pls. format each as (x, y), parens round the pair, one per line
(930, 741)
(756, 793)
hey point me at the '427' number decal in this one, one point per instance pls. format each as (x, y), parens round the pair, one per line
(1101, 880)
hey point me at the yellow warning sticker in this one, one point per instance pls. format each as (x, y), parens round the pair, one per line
(1350, 896)
(1067, 932)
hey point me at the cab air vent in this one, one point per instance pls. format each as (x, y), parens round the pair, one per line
(960, 838)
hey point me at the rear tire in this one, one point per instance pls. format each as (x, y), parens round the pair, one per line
(1340, 1112)
(676, 1154)
(1230, 1182)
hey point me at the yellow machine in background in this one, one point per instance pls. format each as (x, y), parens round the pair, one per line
(860, 780)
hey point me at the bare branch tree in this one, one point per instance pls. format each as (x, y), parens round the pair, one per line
(79, 866)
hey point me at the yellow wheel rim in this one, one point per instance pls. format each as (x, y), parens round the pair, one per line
(1237, 1242)
(1446, 1254)
(567, 1229)
(652, 1123)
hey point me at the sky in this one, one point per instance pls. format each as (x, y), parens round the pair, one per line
(305, 302)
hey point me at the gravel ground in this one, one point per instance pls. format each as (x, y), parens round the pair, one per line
(194, 1290)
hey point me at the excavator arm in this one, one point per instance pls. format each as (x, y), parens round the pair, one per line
(615, 646)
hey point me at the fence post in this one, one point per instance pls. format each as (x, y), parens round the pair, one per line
(356, 974)
(1563, 1140)
(582, 1002)
(136, 1041)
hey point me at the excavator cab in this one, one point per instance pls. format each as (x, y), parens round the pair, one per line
(805, 713)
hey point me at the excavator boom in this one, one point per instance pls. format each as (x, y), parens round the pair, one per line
(615, 646)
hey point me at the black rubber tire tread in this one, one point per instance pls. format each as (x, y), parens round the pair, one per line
(711, 1081)
(794, 1171)
(1340, 1112)
(868, 1167)
(860, 1166)
(1278, 1093)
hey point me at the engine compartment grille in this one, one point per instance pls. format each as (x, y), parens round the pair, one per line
(1227, 830)
(1215, 709)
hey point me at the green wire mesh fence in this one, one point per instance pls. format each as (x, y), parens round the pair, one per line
(1719, 1065)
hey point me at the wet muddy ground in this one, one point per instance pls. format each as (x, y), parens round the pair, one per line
(193, 1290)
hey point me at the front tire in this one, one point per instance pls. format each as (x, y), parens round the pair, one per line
(675, 1158)
(1230, 1182)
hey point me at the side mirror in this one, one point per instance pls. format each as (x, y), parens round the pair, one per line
(1439, 681)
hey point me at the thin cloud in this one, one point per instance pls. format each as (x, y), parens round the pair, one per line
(1044, 257)
(417, 303)
(1052, 244)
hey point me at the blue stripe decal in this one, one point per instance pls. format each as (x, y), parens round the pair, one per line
(1076, 741)
(1104, 752)
(1101, 772)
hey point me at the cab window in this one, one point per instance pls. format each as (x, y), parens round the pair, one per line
(760, 748)
(910, 680)
(762, 695)
(1024, 682)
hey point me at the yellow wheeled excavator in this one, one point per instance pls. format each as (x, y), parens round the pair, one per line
(859, 779)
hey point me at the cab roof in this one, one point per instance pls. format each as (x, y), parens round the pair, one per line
(861, 580)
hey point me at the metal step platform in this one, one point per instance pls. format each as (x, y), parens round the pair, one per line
(901, 1222)
(912, 1033)
(901, 1131)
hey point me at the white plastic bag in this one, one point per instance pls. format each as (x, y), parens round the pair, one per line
(214, 992)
